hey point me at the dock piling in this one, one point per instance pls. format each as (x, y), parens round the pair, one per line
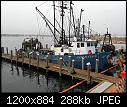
(88, 70)
(16, 56)
(37, 61)
(2, 49)
(60, 61)
(97, 65)
(82, 63)
(69, 64)
(22, 58)
(11, 55)
(46, 46)
(47, 57)
(7, 50)
(15, 51)
(58, 57)
(73, 71)
(29, 59)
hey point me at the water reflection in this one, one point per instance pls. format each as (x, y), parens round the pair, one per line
(46, 77)
(60, 84)
(23, 73)
(17, 70)
(38, 79)
(12, 73)
(32, 80)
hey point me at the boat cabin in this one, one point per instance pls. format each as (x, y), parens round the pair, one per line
(84, 47)
(77, 48)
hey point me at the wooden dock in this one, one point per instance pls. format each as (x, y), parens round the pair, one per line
(80, 74)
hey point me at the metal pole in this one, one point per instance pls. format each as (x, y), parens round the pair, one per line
(97, 65)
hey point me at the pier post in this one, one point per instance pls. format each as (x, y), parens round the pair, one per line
(37, 61)
(11, 55)
(82, 63)
(73, 71)
(16, 56)
(47, 57)
(69, 64)
(60, 61)
(2, 49)
(58, 57)
(97, 65)
(7, 50)
(46, 46)
(29, 59)
(15, 51)
(22, 58)
(96, 50)
(88, 70)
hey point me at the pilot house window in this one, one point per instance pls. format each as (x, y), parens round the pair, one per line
(82, 44)
(88, 44)
(78, 45)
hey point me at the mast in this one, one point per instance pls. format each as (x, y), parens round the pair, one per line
(88, 29)
(80, 21)
(54, 23)
(62, 23)
(83, 31)
(70, 22)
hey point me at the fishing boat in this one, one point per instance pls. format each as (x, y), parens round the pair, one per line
(79, 46)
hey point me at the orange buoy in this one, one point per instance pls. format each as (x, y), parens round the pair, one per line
(114, 91)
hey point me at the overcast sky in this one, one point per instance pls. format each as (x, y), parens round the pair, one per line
(20, 17)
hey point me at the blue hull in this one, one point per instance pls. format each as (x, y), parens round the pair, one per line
(78, 59)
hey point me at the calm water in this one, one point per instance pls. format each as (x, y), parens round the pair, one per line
(19, 79)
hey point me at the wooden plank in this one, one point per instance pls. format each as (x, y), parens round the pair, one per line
(101, 87)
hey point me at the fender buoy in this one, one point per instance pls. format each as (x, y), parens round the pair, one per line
(89, 52)
(123, 74)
